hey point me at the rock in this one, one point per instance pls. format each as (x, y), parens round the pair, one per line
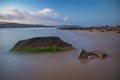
(91, 56)
(91, 30)
(102, 30)
(118, 31)
(83, 54)
(98, 53)
(38, 44)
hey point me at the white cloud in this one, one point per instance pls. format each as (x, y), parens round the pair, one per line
(66, 18)
(45, 16)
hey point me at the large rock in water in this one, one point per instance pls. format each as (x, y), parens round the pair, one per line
(39, 44)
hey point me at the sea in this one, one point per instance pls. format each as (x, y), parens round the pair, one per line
(60, 65)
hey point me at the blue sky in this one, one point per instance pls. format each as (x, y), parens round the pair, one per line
(61, 12)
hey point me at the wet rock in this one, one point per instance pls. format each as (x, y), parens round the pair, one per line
(90, 30)
(91, 56)
(102, 30)
(96, 28)
(118, 31)
(83, 54)
(98, 53)
(38, 44)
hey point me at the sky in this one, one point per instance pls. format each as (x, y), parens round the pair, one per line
(61, 12)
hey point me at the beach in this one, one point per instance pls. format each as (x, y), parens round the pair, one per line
(61, 65)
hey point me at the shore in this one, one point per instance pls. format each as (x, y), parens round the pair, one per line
(94, 28)
(65, 65)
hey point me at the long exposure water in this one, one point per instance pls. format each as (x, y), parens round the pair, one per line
(60, 65)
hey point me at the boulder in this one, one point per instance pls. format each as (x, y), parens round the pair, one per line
(83, 54)
(98, 53)
(38, 44)
(91, 54)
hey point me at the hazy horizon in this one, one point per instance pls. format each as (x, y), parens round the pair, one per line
(62, 12)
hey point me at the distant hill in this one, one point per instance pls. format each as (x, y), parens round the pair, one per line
(17, 25)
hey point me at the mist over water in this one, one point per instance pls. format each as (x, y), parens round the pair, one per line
(61, 65)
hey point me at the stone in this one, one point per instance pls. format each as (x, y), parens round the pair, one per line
(83, 54)
(38, 44)
(91, 30)
(98, 53)
(118, 31)
(91, 56)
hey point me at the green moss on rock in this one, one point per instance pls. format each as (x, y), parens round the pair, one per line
(41, 44)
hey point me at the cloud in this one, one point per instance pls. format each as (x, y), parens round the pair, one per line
(11, 14)
(45, 16)
(66, 18)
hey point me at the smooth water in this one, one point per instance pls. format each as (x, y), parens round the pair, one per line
(61, 65)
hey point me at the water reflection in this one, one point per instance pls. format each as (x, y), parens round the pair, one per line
(84, 61)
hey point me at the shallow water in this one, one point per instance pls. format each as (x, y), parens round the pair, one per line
(61, 65)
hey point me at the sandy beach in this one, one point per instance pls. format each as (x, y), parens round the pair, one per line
(66, 65)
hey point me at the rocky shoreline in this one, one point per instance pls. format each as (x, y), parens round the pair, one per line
(94, 28)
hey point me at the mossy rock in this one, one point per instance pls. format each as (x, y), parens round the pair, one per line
(42, 44)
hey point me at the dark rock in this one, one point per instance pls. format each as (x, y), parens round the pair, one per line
(83, 54)
(95, 28)
(91, 54)
(42, 42)
(118, 31)
(102, 30)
